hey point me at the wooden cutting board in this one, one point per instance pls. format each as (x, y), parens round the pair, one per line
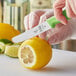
(63, 63)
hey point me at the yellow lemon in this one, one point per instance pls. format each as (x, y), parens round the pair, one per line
(34, 53)
(7, 31)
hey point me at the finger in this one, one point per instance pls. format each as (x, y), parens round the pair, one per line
(46, 16)
(42, 19)
(58, 5)
(73, 5)
(49, 33)
(53, 31)
(40, 12)
(43, 35)
(60, 34)
(69, 10)
(34, 18)
(26, 22)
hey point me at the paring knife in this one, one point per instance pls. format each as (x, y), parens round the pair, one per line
(48, 24)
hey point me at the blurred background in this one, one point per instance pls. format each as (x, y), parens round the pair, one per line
(13, 12)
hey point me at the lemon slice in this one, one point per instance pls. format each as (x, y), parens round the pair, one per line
(3, 43)
(12, 51)
(2, 48)
(35, 53)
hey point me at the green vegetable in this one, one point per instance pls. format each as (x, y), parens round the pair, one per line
(5, 41)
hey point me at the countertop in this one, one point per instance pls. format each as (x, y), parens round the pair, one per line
(63, 63)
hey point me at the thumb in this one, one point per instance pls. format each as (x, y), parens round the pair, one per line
(58, 5)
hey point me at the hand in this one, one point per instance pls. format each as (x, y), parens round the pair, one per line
(70, 9)
(53, 36)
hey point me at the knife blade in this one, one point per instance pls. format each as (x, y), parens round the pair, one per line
(31, 33)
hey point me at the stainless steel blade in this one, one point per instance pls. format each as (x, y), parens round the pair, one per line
(31, 33)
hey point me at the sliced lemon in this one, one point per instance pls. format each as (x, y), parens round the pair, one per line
(35, 53)
(2, 48)
(12, 50)
(3, 43)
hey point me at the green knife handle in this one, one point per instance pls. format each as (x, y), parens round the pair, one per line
(53, 21)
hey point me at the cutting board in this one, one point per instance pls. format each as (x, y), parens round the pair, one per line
(63, 63)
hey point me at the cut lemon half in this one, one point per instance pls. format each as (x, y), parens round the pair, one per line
(35, 53)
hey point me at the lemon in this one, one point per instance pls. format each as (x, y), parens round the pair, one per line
(35, 53)
(12, 50)
(7, 31)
